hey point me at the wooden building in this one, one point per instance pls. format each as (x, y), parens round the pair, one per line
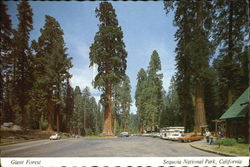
(237, 118)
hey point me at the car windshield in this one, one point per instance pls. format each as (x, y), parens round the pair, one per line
(124, 133)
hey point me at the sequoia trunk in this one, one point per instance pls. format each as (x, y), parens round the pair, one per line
(57, 121)
(107, 128)
(200, 116)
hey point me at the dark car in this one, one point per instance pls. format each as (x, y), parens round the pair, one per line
(124, 134)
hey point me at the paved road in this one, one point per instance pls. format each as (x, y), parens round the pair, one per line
(102, 147)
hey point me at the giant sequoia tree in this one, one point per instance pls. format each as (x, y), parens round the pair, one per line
(108, 52)
(193, 20)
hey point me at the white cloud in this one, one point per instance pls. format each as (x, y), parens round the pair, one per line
(78, 48)
(82, 77)
(82, 74)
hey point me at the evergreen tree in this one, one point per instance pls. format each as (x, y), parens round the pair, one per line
(154, 90)
(86, 110)
(77, 116)
(126, 101)
(171, 115)
(193, 52)
(230, 32)
(51, 67)
(5, 64)
(108, 52)
(22, 70)
(182, 20)
(212, 99)
(93, 117)
(133, 126)
(140, 98)
(121, 105)
(69, 104)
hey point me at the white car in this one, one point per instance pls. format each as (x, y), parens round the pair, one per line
(55, 137)
(174, 136)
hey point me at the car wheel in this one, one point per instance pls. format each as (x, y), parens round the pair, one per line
(189, 141)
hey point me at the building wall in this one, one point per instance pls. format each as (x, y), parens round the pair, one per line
(238, 128)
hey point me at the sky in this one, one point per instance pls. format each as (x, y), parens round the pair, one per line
(145, 28)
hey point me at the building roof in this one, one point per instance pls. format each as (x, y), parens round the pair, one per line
(239, 107)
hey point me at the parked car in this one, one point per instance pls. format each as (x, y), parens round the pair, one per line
(124, 134)
(155, 134)
(190, 138)
(174, 136)
(56, 136)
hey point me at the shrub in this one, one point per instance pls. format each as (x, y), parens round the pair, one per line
(44, 124)
(218, 142)
(241, 140)
(89, 131)
(226, 142)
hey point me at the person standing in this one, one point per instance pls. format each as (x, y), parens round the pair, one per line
(211, 139)
(207, 135)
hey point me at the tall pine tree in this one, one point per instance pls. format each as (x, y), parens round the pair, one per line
(140, 98)
(6, 64)
(52, 66)
(122, 102)
(22, 77)
(154, 91)
(230, 36)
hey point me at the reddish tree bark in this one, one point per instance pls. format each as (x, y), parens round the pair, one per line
(107, 128)
(200, 116)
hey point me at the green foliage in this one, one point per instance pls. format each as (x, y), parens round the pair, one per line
(241, 140)
(194, 49)
(133, 123)
(226, 142)
(20, 69)
(212, 100)
(230, 31)
(109, 54)
(121, 103)
(171, 115)
(89, 131)
(148, 95)
(86, 118)
(51, 68)
(44, 124)
(6, 62)
(140, 98)
(108, 50)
